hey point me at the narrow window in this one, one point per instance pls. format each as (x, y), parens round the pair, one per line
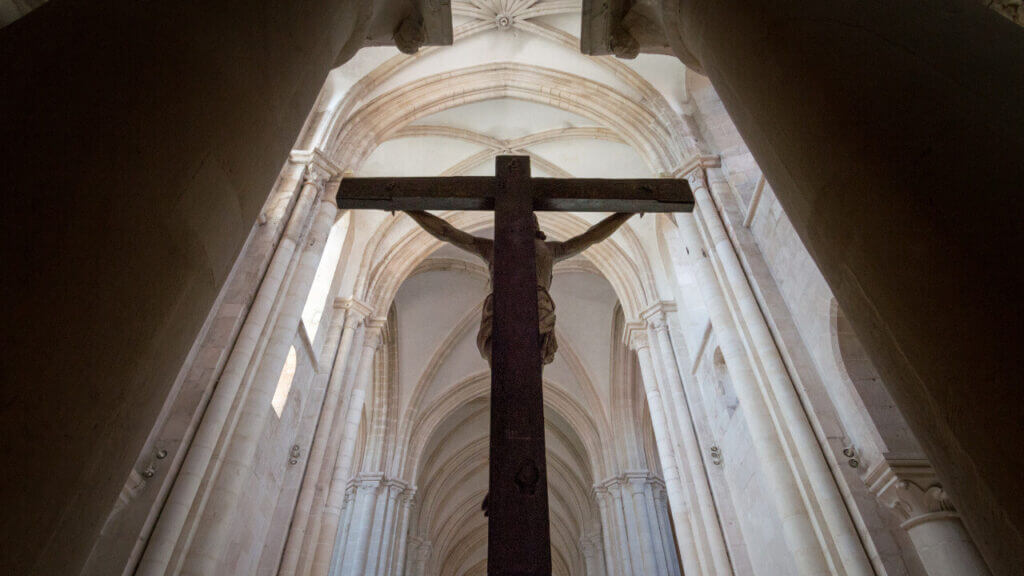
(284, 383)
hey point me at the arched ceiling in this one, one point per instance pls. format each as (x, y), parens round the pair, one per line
(513, 82)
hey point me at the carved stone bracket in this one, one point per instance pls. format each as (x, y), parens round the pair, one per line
(910, 488)
(635, 335)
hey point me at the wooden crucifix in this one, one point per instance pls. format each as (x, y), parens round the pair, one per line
(518, 536)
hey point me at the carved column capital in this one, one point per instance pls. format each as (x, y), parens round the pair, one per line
(693, 170)
(635, 335)
(354, 307)
(368, 481)
(909, 487)
(656, 314)
(374, 332)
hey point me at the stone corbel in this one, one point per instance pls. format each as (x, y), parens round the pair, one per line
(693, 170)
(318, 160)
(909, 487)
(375, 331)
(635, 335)
(354, 306)
(656, 314)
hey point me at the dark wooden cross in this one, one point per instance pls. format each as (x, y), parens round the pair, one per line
(518, 539)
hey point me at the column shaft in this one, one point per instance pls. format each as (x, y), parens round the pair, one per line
(945, 548)
(398, 560)
(300, 522)
(680, 510)
(608, 531)
(796, 523)
(666, 533)
(635, 502)
(780, 387)
(696, 526)
(332, 449)
(201, 450)
(694, 456)
(215, 526)
(326, 540)
(357, 544)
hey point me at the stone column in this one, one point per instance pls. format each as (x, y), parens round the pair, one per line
(661, 507)
(593, 554)
(327, 468)
(358, 541)
(214, 531)
(398, 560)
(639, 342)
(626, 559)
(608, 531)
(385, 544)
(799, 533)
(779, 387)
(326, 540)
(637, 503)
(313, 478)
(204, 443)
(911, 490)
(347, 504)
(693, 455)
(420, 559)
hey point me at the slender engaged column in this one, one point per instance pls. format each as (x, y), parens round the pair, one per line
(398, 560)
(655, 526)
(637, 501)
(311, 481)
(357, 545)
(611, 560)
(694, 456)
(348, 503)
(334, 441)
(661, 505)
(780, 387)
(179, 502)
(593, 555)
(639, 342)
(910, 488)
(421, 559)
(214, 531)
(382, 548)
(797, 529)
(626, 559)
(680, 456)
(332, 509)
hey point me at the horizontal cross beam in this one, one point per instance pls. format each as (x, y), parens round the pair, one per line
(549, 194)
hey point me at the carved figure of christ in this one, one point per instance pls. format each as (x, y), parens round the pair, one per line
(546, 253)
(520, 262)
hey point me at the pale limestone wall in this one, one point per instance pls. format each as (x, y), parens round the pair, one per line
(800, 308)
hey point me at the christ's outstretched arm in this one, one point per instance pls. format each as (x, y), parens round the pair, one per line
(445, 232)
(596, 233)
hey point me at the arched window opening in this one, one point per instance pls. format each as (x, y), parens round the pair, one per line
(284, 383)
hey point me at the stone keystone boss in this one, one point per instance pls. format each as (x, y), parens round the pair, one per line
(548, 252)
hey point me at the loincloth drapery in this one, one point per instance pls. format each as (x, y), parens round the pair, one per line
(546, 313)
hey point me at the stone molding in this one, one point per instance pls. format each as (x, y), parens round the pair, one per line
(656, 314)
(694, 168)
(354, 306)
(317, 162)
(635, 336)
(910, 487)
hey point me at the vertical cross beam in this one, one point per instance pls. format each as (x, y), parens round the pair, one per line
(518, 541)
